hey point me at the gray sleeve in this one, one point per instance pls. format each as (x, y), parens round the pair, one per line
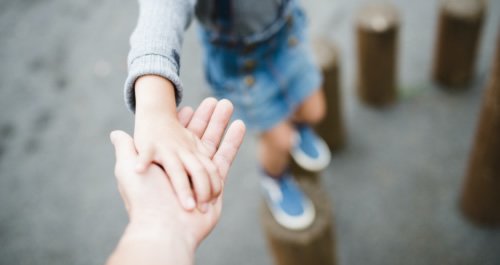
(156, 43)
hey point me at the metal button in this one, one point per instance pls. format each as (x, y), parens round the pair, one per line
(249, 48)
(249, 65)
(292, 41)
(249, 80)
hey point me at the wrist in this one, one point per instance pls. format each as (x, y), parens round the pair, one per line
(160, 233)
(150, 244)
(155, 94)
(150, 225)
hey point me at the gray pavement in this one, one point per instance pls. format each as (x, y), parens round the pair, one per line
(394, 188)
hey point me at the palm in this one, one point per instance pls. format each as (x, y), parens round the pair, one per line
(159, 194)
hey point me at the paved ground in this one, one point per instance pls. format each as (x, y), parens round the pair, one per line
(394, 187)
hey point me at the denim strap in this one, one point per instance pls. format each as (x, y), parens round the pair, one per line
(223, 14)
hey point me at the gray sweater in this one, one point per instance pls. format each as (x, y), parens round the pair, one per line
(157, 39)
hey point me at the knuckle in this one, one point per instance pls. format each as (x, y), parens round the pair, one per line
(217, 187)
(204, 194)
(182, 187)
(198, 170)
(203, 191)
(212, 170)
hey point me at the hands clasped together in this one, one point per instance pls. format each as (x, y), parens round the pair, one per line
(186, 150)
(162, 183)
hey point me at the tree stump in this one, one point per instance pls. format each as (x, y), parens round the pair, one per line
(377, 29)
(459, 29)
(331, 129)
(481, 192)
(314, 245)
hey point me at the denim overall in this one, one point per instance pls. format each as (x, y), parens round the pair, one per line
(266, 75)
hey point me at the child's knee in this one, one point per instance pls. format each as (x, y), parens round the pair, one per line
(317, 113)
(279, 140)
(313, 110)
(277, 145)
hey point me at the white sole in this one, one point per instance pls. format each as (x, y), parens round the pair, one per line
(307, 163)
(296, 223)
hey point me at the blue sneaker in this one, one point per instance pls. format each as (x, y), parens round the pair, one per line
(289, 206)
(310, 151)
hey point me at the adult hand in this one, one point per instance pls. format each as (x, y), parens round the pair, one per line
(155, 214)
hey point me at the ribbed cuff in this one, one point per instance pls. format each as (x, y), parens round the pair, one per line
(151, 64)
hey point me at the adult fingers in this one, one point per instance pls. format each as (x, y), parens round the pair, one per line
(180, 182)
(226, 153)
(123, 194)
(217, 125)
(184, 115)
(124, 146)
(201, 116)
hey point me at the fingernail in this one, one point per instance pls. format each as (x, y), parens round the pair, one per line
(204, 207)
(190, 204)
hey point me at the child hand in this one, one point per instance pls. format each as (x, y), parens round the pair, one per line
(161, 138)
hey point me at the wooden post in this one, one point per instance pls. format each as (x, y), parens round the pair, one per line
(377, 29)
(481, 192)
(314, 245)
(458, 34)
(331, 129)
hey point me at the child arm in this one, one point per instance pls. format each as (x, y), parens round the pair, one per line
(153, 90)
(156, 42)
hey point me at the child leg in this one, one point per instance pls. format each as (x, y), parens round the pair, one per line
(310, 151)
(274, 147)
(288, 204)
(275, 144)
(312, 110)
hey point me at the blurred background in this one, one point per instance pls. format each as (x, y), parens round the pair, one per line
(394, 187)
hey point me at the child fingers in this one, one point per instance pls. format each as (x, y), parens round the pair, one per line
(226, 153)
(146, 157)
(213, 173)
(201, 116)
(180, 182)
(184, 115)
(217, 125)
(199, 178)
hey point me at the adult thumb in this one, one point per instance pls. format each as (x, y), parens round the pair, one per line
(124, 146)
